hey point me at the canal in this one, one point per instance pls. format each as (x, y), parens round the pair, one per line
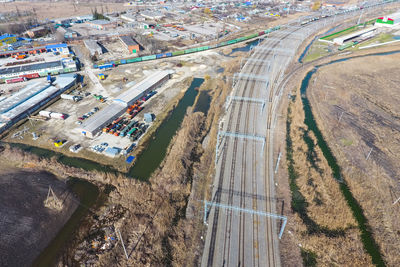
(88, 195)
(151, 158)
(367, 238)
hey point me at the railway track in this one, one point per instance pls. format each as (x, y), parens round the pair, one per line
(242, 110)
(244, 171)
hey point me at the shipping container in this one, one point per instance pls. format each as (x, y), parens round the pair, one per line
(234, 41)
(151, 57)
(70, 97)
(177, 53)
(203, 48)
(16, 80)
(30, 76)
(132, 60)
(261, 33)
(106, 66)
(161, 55)
(169, 54)
(123, 61)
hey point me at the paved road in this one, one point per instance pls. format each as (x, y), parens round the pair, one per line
(244, 170)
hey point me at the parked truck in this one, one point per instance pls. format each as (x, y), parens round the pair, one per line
(71, 97)
(53, 115)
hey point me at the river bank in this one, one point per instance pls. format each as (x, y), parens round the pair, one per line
(26, 223)
(293, 240)
(363, 136)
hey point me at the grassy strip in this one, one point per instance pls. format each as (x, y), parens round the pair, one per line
(299, 203)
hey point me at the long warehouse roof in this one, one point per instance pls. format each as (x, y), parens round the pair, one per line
(31, 96)
(140, 87)
(101, 117)
(32, 67)
(121, 102)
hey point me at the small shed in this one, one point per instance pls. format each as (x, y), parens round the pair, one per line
(148, 117)
(130, 159)
(112, 151)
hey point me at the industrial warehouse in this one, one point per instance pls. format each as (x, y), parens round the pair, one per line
(42, 69)
(31, 98)
(93, 125)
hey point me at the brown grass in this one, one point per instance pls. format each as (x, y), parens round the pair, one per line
(326, 205)
(370, 100)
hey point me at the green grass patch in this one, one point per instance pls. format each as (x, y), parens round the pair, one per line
(346, 142)
(381, 38)
(309, 258)
(316, 51)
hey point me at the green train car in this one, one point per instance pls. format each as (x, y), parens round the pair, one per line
(190, 50)
(178, 53)
(148, 57)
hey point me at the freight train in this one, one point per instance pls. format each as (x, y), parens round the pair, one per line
(103, 65)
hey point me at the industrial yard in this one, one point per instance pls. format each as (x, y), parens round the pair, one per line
(166, 122)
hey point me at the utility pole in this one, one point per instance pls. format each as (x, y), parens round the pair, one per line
(369, 154)
(394, 203)
(52, 201)
(341, 115)
(122, 242)
(359, 19)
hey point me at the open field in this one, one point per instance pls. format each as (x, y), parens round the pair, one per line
(62, 9)
(369, 114)
(27, 226)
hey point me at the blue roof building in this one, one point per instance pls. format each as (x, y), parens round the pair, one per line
(7, 39)
(62, 48)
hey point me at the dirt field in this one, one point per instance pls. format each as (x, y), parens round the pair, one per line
(62, 9)
(26, 225)
(363, 114)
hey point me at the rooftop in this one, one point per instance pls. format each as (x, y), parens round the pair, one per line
(128, 40)
(138, 88)
(6, 35)
(102, 117)
(100, 22)
(92, 44)
(32, 95)
(31, 67)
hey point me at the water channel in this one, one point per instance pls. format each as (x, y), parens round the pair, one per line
(88, 195)
(151, 158)
(245, 48)
(369, 243)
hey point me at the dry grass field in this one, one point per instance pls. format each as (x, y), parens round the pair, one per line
(322, 224)
(62, 9)
(356, 104)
